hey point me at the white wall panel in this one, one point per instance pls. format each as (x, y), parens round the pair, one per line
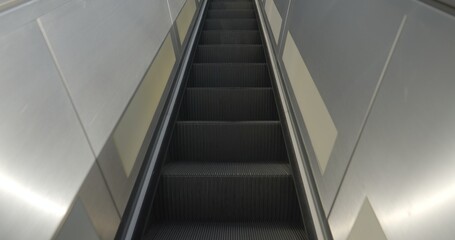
(345, 45)
(405, 159)
(103, 48)
(44, 156)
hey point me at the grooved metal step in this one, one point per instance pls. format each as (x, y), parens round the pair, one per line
(226, 173)
(210, 141)
(228, 231)
(230, 24)
(231, 5)
(236, 13)
(235, 53)
(192, 191)
(229, 75)
(230, 37)
(228, 104)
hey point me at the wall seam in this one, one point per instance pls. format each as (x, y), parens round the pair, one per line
(169, 9)
(284, 29)
(370, 106)
(65, 85)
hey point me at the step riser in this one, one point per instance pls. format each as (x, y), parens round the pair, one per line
(228, 142)
(229, 54)
(228, 231)
(235, 14)
(228, 105)
(230, 5)
(231, 24)
(230, 37)
(226, 199)
(229, 75)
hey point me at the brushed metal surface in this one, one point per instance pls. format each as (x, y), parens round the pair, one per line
(99, 206)
(175, 6)
(44, 155)
(405, 160)
(345, 45)
(123, 154)
(282, 7)
(103, 48)
(17, 13)
(78, 225)
(118, 183)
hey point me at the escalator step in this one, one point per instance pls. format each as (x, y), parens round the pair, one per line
(230, 37)
(252, 141)
(231, 5)
(229, 54)
(226, 172)
(226, 169)
(228, 104)
(229, 75)
(217, 13)
(228, 231)
(230, 24)
(191, 191)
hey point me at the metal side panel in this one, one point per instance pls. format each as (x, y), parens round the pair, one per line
(16, 13)
(78, 225)
(99, 205)
(103, 49)
(122, 155)
(44, 155)
(405, 159)
(345, 45)
(175, 6)
(184, 19)
(282, 7)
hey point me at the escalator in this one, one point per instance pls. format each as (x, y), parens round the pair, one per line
(226, 172)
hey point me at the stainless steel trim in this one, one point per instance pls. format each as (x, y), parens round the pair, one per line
(162, 131)
(321, 228)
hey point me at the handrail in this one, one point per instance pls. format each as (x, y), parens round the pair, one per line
(320, 224)
(127, 228)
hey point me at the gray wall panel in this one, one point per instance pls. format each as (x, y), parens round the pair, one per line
(404, 162)
(345, 45)
(44, 156)
(103, 48)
